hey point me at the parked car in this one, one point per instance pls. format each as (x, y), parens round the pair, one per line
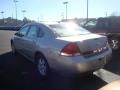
(11, 27)
(109, 27)
(62, 47)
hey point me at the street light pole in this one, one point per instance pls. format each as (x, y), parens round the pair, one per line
(66, 8)
(15, 1)
(106, 14)
(2, 13)
(62, 16)
(23, 13)
(87, 10)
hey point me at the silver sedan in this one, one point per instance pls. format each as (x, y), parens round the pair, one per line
(62, 47)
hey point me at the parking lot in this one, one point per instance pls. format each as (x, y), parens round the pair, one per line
(19, 73)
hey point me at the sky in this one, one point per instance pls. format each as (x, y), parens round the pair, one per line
(55, 9)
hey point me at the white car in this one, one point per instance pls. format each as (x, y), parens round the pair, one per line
(62, 47)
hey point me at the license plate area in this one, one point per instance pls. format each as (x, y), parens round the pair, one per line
(99, 63)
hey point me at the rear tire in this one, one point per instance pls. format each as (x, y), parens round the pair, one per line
(42, 66)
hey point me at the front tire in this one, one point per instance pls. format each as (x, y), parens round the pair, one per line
(14, 52)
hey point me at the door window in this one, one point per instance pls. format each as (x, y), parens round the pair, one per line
(24, 30)
(33, 31)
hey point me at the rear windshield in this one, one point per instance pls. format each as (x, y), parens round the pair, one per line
(69, 29)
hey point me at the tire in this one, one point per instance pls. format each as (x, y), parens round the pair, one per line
(42, 66)
(114, 43)
(14, 52)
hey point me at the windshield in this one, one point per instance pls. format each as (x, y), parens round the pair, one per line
(68, 29)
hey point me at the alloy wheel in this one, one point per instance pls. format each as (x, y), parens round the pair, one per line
(42, 66)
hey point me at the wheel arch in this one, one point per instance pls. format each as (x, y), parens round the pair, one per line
(36, 55)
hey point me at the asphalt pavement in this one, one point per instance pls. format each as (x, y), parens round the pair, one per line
(17, 73)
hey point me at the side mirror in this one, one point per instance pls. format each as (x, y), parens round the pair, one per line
(19, 34)
(16, 34)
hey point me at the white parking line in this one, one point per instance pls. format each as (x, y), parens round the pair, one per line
(106, 75)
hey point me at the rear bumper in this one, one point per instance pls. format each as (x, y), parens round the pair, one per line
(81, 65)
(92, 65)
(84, 68)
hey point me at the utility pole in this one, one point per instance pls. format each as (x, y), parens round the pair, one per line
(65, 3)
(106, 14)
(15, 1)
(87, 9)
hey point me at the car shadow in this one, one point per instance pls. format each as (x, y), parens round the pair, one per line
(90, 82)
(114, 65)
(13, 71)
(17, 73)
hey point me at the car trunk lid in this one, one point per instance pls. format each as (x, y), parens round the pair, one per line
(89, 43)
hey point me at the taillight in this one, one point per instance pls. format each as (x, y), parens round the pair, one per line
(70, 49)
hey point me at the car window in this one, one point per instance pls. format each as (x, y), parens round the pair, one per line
(40, 32)
(68, 29)
(24, 30)
(33, 31)
(90, 25)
